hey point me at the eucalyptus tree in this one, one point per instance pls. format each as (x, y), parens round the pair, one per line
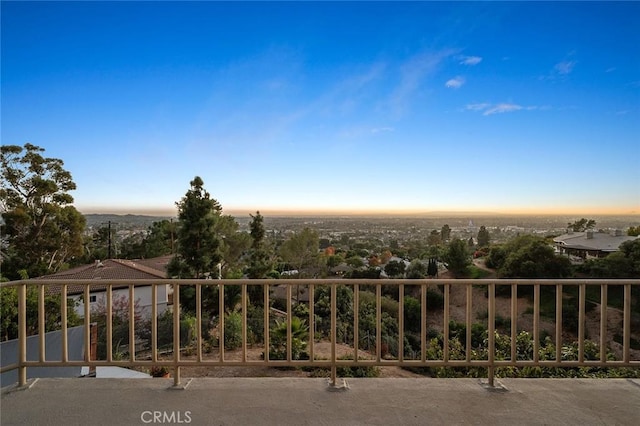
(41, 230)
(302, 252)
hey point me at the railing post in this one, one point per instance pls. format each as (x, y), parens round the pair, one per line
(267, 309)
(603, 322)
(312, 323)
(244, 322)
(514, 321)
(199, 321)
(334, 334)
(109, 324)
(581, 320)
(423, 323)
(378, 323)
(87, 326)
(132, 324)
(467, 346)
(445, 326)
(492, 337)
(63, 320)
(356, 321)
(176, 334)
(42, 329)
(221, 321)
(401, 322)
(559, 295)
(626, 334)
(289, 320)
(154, 322)
(22, 334)
(536, 323)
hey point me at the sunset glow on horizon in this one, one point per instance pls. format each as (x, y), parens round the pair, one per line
(168, 212)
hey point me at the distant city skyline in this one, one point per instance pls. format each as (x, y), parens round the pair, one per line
(331, 107)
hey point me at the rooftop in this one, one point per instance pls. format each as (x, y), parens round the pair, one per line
(590, 240)
(111, 269)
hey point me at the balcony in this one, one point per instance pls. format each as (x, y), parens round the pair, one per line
(578, 334)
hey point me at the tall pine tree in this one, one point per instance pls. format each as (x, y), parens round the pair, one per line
(260, 263)
(198, 241)
(483, 237)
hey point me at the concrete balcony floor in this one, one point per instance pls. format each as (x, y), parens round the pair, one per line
(307, 401)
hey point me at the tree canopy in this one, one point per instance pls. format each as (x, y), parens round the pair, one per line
(445, 233)
(457, 257)
(260, 261)
(395, 269)
(483, 237)
(301, 251)
(582, 225)
(42, 230)
(633, 231)
(624, 263)
(528, 256)
(198, 240)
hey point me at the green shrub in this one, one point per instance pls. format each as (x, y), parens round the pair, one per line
(233, 330)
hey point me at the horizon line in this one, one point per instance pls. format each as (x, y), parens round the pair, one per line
(369, 212)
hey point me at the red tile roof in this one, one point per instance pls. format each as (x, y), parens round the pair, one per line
(110, 269)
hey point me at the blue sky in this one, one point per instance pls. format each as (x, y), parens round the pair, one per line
(354, 107)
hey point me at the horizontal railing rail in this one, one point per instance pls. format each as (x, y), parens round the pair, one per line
(367, 335)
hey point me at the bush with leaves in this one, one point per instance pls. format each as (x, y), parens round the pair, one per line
(120, 322)
(278, 339)
(524, 348)
(233, 330)
(165, 330)
(52, 317)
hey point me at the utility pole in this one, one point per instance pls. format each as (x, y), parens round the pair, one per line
(171, 228)
(109, 256)
(110, 239)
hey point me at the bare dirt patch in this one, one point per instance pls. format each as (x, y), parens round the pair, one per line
(322, 350)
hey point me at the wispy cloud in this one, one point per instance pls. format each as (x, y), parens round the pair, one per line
(455, 83)
(470, 60)
(501, 108)
(382, 129)
(413, 73)
(490, 109)
(477, 107)
(564, 67)
(610, 69)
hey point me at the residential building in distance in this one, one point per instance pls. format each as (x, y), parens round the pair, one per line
(590, 244)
